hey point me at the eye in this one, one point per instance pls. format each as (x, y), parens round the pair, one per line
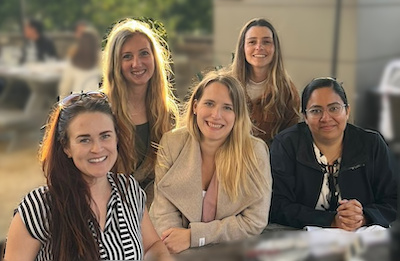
(105, 136)
(315, 111)
(144, 53)
(228, 108)
(335, 108)
(84, 140)
(127, 56)
(251, 42)
(267, 42)
(208, 103)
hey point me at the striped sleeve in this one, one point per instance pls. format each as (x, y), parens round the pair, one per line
(33, 210)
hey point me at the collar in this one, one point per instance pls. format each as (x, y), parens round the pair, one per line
(354, 151)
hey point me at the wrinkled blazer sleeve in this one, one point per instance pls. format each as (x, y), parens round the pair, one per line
(163, 213)
(249, 221)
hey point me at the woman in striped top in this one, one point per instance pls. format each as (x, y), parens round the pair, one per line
(85, 212)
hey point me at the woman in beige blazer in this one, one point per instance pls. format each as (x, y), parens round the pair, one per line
(213, 180)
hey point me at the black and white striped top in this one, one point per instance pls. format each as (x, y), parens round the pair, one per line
(121, 238)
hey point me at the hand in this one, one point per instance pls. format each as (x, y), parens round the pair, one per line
(350, 215)
(176, 239)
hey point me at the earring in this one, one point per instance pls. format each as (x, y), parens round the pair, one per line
(194, 113)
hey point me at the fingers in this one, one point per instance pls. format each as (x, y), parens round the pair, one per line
(166, 233)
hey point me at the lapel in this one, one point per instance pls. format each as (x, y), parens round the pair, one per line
(182, 183)
(225, 207)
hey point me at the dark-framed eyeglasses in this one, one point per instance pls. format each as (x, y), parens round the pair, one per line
(332, 109)
(74, 97)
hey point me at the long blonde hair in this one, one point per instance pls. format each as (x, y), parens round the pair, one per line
(279, 88)
(161, 107)
(236, 161)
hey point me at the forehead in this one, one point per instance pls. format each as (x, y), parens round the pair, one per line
(323, 96)
(136, 42)
(90, 123)
(217, 91)
(258, 31)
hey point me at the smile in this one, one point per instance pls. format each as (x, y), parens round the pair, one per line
(138, 72)
(213, 125)
(260, 55)
(97, 160)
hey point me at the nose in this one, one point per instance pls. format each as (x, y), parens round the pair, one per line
(135, 61)
(97, 146)
(259, 46)
(325, 115)
(216, 113)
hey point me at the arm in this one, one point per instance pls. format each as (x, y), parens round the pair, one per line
(163, 213)
(154, 248)
(20, 244)
(384, 186)
(285, 208)
(248, 222)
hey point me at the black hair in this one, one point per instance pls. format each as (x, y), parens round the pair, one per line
(322, 82)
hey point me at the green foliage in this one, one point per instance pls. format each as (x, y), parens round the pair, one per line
(176, 15)
(155, 25)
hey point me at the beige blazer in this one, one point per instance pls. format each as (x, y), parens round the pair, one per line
(178, 194)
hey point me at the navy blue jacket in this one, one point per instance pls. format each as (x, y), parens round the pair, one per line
(367, 173)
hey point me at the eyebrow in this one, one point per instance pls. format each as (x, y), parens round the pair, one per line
(255, 37)
(319, 106)
(88, 135)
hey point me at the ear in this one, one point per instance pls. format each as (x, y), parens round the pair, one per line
(195, 107)
(66, 151)
(348, 109)
(305, 118)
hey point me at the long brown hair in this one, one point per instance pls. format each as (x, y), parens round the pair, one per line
(68, 193)
(279, 88)
(161, 107)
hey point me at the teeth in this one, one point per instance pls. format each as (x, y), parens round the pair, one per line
(260, 55)
(97, 160)
(214, 125)
(139, 72)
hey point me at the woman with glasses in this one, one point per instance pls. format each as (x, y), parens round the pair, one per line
(328, 172)
(136, 71)
(272, 97)
(85, 212)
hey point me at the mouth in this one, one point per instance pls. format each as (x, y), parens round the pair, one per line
(327, 127)
(98, 160)
(259, 55)
(138, 73)
(214, 126)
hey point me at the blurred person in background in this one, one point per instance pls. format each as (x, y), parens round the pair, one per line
(86, 212)
(38, 47)
(136, 73)
(328, 172)
(82, 71)
(272, 97)
(213, 179)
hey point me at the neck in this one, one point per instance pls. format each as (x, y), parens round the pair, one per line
(258, 74)
(332, 150)
(209, 148)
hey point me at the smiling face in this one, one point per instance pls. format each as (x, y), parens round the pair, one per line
(92, 144)
(259, 47)
(327, 128)
(215, 114)
(137, 60)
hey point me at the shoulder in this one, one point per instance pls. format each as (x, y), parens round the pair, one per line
(260, 147)
(364, 135)
(175, 138)
(37, 195)
(292, 133)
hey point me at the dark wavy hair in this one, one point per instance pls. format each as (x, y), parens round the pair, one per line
(68, 193)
